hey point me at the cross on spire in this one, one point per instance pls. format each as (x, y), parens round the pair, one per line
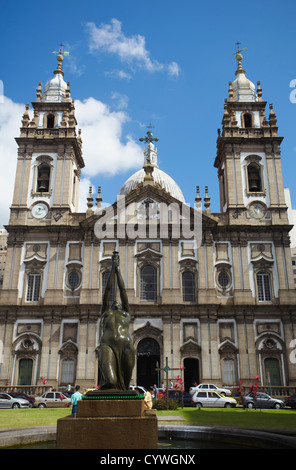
(60, 57)
(237, 44)
(149, 137)
(61, 51)
(237, 53)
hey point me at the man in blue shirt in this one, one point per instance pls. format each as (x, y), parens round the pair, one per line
(74, 398)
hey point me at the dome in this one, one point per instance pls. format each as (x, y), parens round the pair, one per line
(243, 88)
(159, 177)
(55, 89)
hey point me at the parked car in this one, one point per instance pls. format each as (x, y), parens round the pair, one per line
(139, 388)
(291, 401)
(210, 388)
(262, 401)
(31, 400)
(8, 401)
(212, 400)
(52, 400)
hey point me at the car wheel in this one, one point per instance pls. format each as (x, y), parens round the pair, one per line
(277, 406)
(250, 405)
(15, 405)
(41, 405)
(198, 405)
(227, 405)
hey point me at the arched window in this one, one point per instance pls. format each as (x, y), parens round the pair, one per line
(188, 284)
(68, 369)
(272, 371)
(148, 283)
(43, 176)
(263, 287)
(33, 287)
(50, 121)
(229, 371)
(248, 120)
(254, 178)
(105, 277)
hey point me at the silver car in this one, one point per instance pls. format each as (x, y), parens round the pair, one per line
(262, 401)
(52, 400)
(209, 388)
(212, 400)
(7, 401)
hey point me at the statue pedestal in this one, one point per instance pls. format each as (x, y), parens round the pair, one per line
(109, 424)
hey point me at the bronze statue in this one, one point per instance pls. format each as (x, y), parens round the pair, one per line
(116, 352)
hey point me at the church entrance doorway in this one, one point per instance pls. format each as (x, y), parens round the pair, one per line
(148, 359)
(191, 372)
(25, 371)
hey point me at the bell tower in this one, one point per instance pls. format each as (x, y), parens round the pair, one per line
(248, 156)
(49, 156)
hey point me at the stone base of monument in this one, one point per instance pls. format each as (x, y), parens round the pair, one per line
(109, 421)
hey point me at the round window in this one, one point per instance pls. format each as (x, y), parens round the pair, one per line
(223, 279)
(73, 279)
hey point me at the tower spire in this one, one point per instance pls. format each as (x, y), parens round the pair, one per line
(150, 153)
(60, 57)
(239, 58)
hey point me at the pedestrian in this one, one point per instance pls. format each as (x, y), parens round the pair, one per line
(74, 398)
(148, 398)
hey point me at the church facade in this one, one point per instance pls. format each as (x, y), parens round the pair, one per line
(211, 293)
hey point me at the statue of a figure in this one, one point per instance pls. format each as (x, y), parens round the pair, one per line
(116, 352)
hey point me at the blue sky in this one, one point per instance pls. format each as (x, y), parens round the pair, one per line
(132, 63)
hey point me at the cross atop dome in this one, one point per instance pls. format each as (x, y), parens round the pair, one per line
(57, 89)
(60, 57)
(239, 57)
(243, 88)
(150, 153)
(149, 137)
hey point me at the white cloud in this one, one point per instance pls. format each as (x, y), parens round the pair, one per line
(174, 69)
(84, 185)
(103, 149)
(120, 99)
(132, 50)
(10, 123)
(121, 74)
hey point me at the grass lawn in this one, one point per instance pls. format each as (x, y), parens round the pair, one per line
(15, 418)
(281, 420)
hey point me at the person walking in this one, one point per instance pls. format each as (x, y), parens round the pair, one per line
(74, 399)
(148, 398)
